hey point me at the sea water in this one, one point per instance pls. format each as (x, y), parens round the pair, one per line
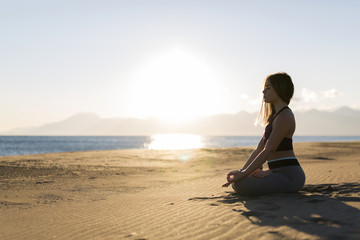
(23, 145)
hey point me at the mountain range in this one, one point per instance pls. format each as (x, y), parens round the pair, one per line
(342, 122)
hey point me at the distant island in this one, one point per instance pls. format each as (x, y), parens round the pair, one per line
(342, 122)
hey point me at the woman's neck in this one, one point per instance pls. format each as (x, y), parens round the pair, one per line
(279, 105)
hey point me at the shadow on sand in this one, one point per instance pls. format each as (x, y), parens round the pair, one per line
(319, 210)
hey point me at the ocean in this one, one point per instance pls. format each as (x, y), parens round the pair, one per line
(24, 145)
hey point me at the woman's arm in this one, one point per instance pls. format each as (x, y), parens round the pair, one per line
(281, 125)
(256, 152)
(251, 158)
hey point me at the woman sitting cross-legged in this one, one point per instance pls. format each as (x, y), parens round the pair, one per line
(285, 174)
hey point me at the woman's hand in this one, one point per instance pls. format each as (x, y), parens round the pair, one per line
(233, 176)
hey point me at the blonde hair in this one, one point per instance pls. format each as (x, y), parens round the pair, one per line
(284, 87)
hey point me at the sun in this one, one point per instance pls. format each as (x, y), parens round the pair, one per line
(176, 86)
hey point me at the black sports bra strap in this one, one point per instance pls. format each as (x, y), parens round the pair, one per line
(279, 112)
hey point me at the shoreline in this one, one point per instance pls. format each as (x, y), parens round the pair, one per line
(187, 149)
(30, 145)
(175, 194)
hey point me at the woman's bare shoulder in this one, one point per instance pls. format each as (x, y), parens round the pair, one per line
(285, 116)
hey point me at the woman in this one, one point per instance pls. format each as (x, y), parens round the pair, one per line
(285, 174)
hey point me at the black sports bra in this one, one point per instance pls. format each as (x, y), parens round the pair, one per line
(286, 143)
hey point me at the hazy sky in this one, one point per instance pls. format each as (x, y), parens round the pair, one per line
(172, 59)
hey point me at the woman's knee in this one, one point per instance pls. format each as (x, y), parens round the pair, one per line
(247, 186)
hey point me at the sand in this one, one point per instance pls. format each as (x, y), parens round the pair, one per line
(153, 194)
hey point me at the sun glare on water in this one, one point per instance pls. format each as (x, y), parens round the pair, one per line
(175, 141)
(176, 86)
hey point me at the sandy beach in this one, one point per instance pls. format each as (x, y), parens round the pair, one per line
(175, 194)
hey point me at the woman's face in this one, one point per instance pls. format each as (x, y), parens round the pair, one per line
(270, 96)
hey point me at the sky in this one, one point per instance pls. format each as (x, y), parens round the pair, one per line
(172, 60)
